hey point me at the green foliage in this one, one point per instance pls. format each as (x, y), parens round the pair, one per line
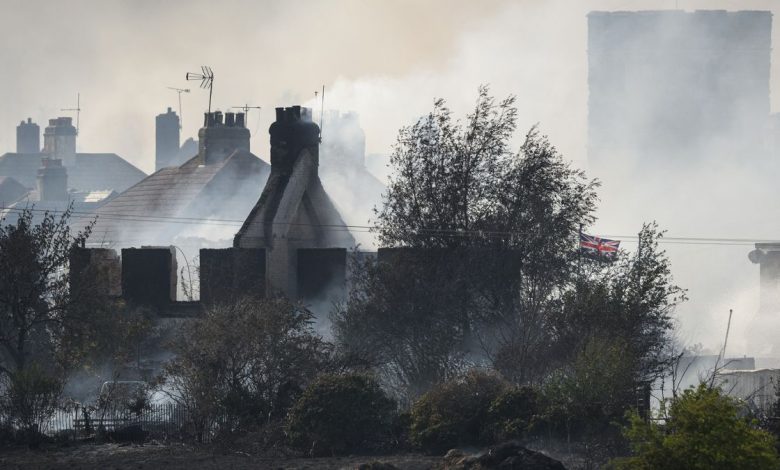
(488, 235)
(30, 398)
(629, 301)
(703, 430)
(458, 412)
(37, 306)
(245, 361)
(513, 413)
(587, 397)
(339, 414)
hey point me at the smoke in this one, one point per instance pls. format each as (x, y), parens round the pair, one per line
(388, 61)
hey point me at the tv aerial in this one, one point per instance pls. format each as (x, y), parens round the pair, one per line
(206, 78)
(180, 91)
(77, 109)
(246, 109)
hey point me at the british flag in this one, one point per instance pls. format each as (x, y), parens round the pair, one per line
(598, 247)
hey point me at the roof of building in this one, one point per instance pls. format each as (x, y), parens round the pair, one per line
(103, 171)
(10, 190)
(93, 171)
(84, 203)
(184, 200)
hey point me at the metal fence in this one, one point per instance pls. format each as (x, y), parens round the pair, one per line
(158, 421)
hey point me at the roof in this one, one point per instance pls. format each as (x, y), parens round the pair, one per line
(84, 204)
(10, 190)
(294, 206)
(92, 170)
(180, 201)
(103, 171)
(23, 167)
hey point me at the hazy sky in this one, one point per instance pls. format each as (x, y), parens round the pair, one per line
(387, 60)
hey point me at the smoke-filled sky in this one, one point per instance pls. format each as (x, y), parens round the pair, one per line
(387, 60)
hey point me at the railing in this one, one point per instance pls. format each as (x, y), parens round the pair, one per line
(157, 421)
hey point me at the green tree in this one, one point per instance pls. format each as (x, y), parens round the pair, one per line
(702, 430)
(461, 412)
(37, 305)
(485, 238)
(247, 361)
(337, 414)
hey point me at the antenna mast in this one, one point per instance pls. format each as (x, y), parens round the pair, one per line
(322, 110)
(206, 78)
(77, 109)
(180, 91)
(246, 109)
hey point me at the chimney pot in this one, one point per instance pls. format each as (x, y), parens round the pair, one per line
(240, 120)
(230, 119)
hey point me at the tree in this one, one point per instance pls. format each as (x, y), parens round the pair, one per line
(458, 412)
(484, 238)
(703, 430)
(37, 305)
(337, 414)
(246, 361)
(627, 304)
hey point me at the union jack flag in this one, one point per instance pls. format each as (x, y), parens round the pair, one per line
(598, 247)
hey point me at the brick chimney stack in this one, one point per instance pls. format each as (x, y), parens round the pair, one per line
(52, 180)
(292, 132)
(59, 140)
(28, 137)
(166, 139)
(218, 139)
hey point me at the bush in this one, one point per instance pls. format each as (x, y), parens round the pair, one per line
(340, 414)
(457, 413)
(30, 399)
(513, 413)
(703, 430)
(241, 365)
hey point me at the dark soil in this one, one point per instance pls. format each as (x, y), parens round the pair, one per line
(185, 457)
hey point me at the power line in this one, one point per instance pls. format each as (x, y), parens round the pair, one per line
(367, 228)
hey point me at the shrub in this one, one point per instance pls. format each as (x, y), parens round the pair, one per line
(337, 414)
(513, 413)
(241, 365)
(456, 413)
(30, 399)
(703, 430)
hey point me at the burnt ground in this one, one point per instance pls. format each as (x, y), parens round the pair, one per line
(179, 456)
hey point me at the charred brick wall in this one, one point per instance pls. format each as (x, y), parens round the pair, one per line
(229, 273)
(149, 276)
(322, 274)
(97, 269)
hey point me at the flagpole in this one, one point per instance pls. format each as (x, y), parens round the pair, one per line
(579, 254)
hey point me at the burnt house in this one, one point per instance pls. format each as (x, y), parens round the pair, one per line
(293, 240)
(294, 212)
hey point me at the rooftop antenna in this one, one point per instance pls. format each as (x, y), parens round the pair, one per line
(77, 109)
(180, 91)
(322, 109)
(206, 78)
(246, 109)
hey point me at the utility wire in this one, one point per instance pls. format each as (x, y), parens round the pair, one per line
(367, 228)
